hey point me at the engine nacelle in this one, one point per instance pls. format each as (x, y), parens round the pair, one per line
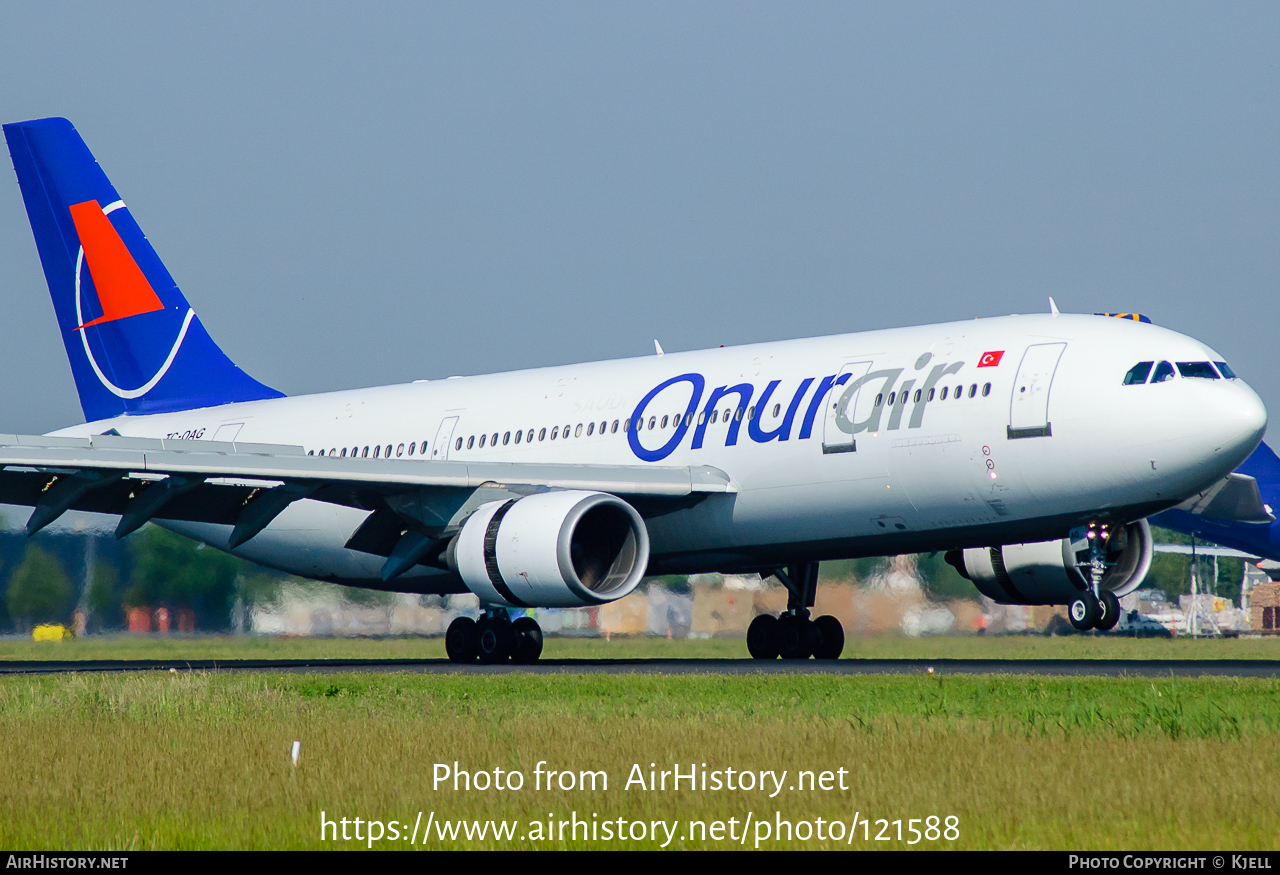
(560, 549)
(1045, 573)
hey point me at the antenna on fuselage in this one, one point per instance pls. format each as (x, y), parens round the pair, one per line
(1053, 308)
(657, 347)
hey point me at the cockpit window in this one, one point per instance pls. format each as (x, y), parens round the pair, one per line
(1138, 373)
(1202, 370)
(1164, 371)
(1225, 370)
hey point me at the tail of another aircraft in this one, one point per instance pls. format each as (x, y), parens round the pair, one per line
(135, 344)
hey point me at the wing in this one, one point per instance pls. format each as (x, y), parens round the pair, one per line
(248, 485)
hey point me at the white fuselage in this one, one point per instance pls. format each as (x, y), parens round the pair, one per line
(821, 470)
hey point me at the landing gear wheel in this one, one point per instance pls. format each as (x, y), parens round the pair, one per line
(1084, 612)
(764, 640)
(528, 641)
(493, 639)
(1108, 611)
(795, 634)
(829, 635)
(460, 640)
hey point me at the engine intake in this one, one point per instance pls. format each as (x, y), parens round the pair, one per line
(567, 548)
(1045, 573)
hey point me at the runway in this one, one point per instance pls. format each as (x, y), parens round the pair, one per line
(1236, 668)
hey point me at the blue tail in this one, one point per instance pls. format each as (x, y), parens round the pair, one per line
(134, 342)
(1260, 539)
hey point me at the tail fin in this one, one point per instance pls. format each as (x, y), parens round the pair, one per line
(134, 342)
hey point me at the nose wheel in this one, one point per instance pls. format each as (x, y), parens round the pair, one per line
(493, 639)
(1095, 607)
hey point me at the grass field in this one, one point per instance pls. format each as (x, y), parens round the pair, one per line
(960, 647)
(201, 760)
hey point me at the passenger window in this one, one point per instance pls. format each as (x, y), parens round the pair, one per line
(364, 454)
(663, 424)
(737, 414)
(577, 432)
(528, 439)
(311, 452)
(564, 432)
(916, 397)
(333, 451)
(1225, 370)
(554, 431)
(519, 436)
(879, 399)
(387, 454)
(1164, 371)
(973, 390)
(376, 451)
(777, 409)
(614, 430)
(930, 394)
(653, 421)
(591, 429)
(412, 447)
(1138, 374)
(399, 451)
(1200, 370)
(943, 396)
(459, 444)
(751, 413)
(471, 442)
(483, 438)
(344, 452)
(893, 396)
(715, 416)
(986, 390)
(542, 434)
(422, 449)
(506, 438)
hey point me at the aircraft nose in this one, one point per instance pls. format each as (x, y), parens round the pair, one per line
(1239, 421)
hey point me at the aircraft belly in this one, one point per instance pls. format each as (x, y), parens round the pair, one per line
(306, 539)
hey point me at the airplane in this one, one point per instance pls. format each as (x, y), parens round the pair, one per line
(1031, 448)
(1216, 518)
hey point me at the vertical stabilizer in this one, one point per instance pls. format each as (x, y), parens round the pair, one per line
(134, 342)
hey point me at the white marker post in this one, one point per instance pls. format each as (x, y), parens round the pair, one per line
(297, 749)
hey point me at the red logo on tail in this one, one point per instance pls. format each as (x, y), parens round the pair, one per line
(990, 359)
(122, 289)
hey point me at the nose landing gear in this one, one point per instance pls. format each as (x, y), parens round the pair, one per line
(1095, 607)
(794, 635)
(495, 638)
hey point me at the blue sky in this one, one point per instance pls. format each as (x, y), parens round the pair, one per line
(361, 194)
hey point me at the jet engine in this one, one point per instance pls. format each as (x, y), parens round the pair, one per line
(1046, 573)
(564, 548)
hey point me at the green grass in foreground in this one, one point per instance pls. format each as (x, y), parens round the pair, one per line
(959, 647)
(200, 760)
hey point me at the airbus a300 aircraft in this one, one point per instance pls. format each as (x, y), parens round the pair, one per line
(1032, 448)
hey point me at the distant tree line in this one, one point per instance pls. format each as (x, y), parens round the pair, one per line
(48, 577)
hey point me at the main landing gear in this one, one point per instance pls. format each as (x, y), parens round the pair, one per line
(494, 638)
(793, 635)
(1095, 607)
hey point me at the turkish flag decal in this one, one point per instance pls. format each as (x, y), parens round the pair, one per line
(990, 359)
